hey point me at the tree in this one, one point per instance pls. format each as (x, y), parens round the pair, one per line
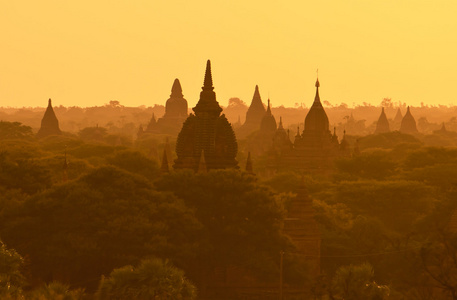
(241, 219)
(77, 231)
(15, 130)
(356, 282)
(11, 278)
(151, 279)
(56, 290)
(135, 162)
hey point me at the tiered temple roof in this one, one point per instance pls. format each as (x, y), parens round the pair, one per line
(208, 132)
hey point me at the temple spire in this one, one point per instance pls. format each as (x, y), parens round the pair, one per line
(268, 107)
(208, 82)
(280, 123)
(317, 99)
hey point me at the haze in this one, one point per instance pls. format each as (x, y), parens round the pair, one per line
(86, 53)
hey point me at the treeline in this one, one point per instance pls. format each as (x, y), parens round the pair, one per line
(124, 120)
(83, 216)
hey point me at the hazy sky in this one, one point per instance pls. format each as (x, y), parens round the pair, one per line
(87, 53)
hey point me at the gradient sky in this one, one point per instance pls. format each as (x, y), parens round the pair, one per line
(88, 52)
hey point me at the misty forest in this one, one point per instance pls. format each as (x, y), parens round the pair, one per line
(247, 201)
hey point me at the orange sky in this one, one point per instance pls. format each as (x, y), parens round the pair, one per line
(87, 53)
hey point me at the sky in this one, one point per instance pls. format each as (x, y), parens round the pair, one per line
(87, 53)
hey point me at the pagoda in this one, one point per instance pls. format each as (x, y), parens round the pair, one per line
(254, 115)
(408, 123)
(175, 113)
(382, 126)
(49, 123)
(206, 134)
(315, 148)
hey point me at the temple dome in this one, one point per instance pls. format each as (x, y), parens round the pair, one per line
(49, 123)
(383, 125)
(268, 123)
(408, 124)
(256, 110)
(176, 105)
(316, 120)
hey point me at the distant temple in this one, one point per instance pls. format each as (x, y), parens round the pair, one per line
(314, 149)
(383, 125)
(261, 140)
(408, 123)
(254, 116)
(175, 114)
(49, 123)
(206, 135)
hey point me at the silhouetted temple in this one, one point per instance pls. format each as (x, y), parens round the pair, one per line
(268, 123)
(49, 123)
(281, 140)
(207, 133)
(175, 114)
(261, 141)
(314, 149)
(408, 124)
(383, 125)
(254, 116)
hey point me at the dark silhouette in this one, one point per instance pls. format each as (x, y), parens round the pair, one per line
(383, 125)
(49, 123)
(408, 124)
(207, 131)
(175, 114)
(314, 149)
(254, 115)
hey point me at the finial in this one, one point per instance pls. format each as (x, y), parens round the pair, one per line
(49, 102)
(208, 82)
(280, 122)
(317, 78)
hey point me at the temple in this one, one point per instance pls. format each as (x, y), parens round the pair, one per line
(49, 123)
(175, 114)
(408, 124)
(315, 148)
(383, 125)
(254, 116)
(206, 134)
